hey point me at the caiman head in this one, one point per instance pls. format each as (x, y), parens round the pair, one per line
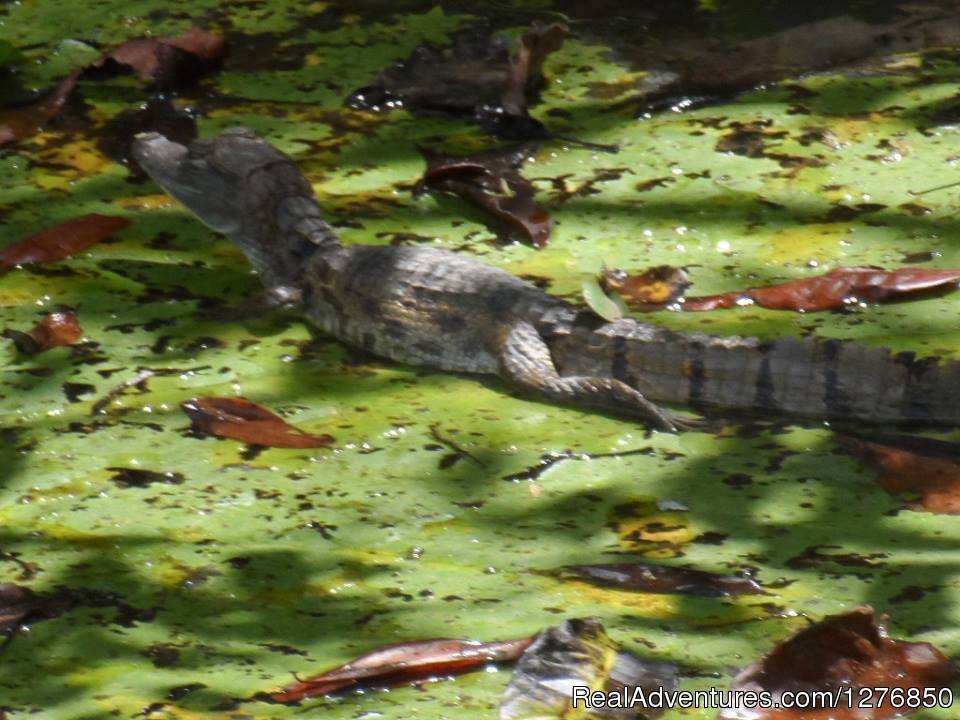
(243, 187)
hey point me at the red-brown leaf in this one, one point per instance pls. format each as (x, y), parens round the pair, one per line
(61, 241)
(23, 122)
(56, 329)
(916, 465)
(850, 650)
(53, 330)
(492, 182)
(240, 419)
(405, 663)
(833, 290)
(168, 61)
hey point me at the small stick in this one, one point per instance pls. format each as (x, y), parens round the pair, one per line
(933, 189)
(447, 442)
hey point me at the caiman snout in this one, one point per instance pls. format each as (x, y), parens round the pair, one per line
(204, 189)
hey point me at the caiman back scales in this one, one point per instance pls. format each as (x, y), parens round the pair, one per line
(432, 307)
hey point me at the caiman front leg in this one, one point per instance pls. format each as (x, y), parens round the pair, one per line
(526, 362)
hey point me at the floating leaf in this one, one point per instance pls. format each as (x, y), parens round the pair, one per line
(850, 650)
(833, 290)
(9, 55)
(492, 182)
(168, 62)
(475, 77)
(16, 602)
(665, 579)
(240, 419)
(61, 241)
(20, 123)
(53, 330)
(607, 307)
(574, 657)
(660, 285)
(405, 663)
(917, 465)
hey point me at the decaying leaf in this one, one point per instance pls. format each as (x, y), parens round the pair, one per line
(656, 286)
(920, 466)
(20, 605)
(649, 578)
(576, 657)
(492, 182)
(20, 123)
(405, 663)
(664, 285)
(851, 650)
(476, 77)
(16, 602)
(53, 330)
(240, 419)
(61, 241)
(167, 63)
(833, 290)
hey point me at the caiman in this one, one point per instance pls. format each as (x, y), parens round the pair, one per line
(433, 307)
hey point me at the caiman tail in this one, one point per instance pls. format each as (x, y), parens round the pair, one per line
(822, 379)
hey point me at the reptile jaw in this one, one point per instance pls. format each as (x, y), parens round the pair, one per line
(189, 178)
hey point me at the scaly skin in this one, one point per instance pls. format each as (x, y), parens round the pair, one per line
(431, 307)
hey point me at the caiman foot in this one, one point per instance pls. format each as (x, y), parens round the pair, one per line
(525, 361)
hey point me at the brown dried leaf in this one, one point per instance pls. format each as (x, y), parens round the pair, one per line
(168, 62)
(53, 330)
(56, 329)
(492, 182)
(476, 77)
(20, 123)
(526, 65)
(656, 286)
(649, 578)
(850, 650)
(61, 241)
(405, 663)
(916, 465)
(240, 419)
(833, 290)
(16, 602)
(20, 605)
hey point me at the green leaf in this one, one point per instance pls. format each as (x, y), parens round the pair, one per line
(9, 54)
(448, 502)
(608, 307)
